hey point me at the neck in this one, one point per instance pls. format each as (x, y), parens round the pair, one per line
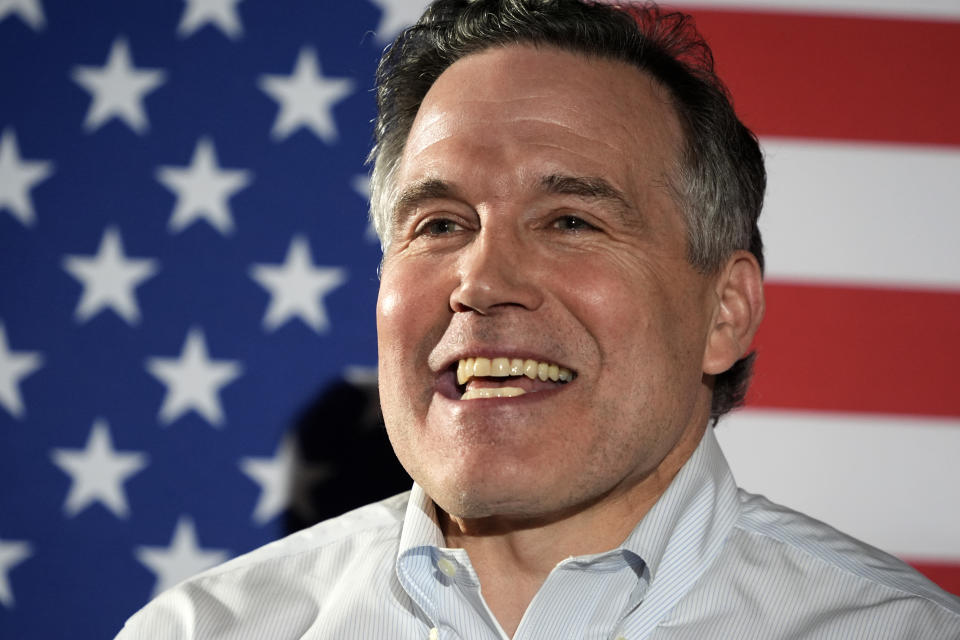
(514, 554)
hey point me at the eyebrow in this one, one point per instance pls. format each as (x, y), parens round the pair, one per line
(587, 187)
(592, 188)
(415, 194)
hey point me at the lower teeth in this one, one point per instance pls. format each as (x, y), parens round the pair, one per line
(493, 392)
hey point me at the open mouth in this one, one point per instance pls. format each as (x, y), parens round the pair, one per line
(507, 377)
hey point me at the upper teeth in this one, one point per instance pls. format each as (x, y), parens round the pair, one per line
(504, 367)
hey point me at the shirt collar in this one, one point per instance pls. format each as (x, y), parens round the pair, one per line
(697, 510)
(420, 525)
(676, 540)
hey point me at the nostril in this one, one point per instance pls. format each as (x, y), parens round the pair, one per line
(489, 286)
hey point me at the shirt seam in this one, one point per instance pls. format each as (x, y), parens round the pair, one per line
(823, 561)
(223, 570)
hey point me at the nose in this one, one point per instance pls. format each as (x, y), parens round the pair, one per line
(495, 273)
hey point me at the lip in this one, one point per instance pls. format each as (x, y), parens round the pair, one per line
(449, 394)
(443, 363)
(445, 386)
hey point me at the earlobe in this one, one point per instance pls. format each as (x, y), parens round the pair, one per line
(738, 312)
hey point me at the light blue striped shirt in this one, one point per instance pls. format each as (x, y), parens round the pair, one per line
(708, 561)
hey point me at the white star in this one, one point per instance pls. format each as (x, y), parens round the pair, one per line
(222, 13)
(182, 559)
(193, 381)
(118, 89)
(98, 472)
(109, 279)
(14, 367)
(277, 477)
(203, 189)
(396, 16)
(30, 11)
(366, 379)
(297, 288)
(361, 186)
(12, 553)
(17, 178)
(306, 98)
(361, 376)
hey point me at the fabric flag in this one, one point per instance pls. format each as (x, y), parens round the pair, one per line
(854, 415)
(188, 279)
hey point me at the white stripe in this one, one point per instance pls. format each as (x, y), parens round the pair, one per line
(874, 214)
(893, 482)
(947, 9)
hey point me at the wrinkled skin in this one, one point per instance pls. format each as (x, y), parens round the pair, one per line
(492, 257)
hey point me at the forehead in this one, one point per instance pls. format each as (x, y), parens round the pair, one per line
(571, 108)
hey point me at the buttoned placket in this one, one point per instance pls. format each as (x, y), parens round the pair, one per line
(444, 585)
(587, 597)
(579, 599)
(681, 535)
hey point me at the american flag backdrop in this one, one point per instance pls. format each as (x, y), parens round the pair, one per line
(188, 279)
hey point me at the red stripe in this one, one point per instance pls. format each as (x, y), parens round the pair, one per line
(852, 349)
(945, 575)
(836, 77)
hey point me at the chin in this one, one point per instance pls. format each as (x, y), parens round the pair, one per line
(500, 497)
(473, 507)
(478, 497)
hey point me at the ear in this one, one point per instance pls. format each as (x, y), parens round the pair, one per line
(737, 314)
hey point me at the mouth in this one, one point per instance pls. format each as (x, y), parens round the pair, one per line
(478, 378)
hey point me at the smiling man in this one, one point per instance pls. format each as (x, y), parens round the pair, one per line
(536, 231)
(572, 277)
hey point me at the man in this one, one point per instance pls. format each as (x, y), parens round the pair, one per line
(572, 276)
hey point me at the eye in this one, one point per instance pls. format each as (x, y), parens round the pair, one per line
(572, 223)
(438, 227)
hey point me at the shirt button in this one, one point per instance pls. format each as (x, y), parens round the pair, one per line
(434, 634)
(447, 567)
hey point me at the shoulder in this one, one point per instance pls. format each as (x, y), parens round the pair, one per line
(373, 525)
(807, 568)
(281, 581)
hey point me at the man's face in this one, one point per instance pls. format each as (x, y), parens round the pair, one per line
(535, 223)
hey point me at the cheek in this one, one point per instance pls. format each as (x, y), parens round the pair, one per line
(389, 302)
(614, 310)
(400, 305)
(647, 327)
(390, 323)
(395, 326)
(411, 316)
